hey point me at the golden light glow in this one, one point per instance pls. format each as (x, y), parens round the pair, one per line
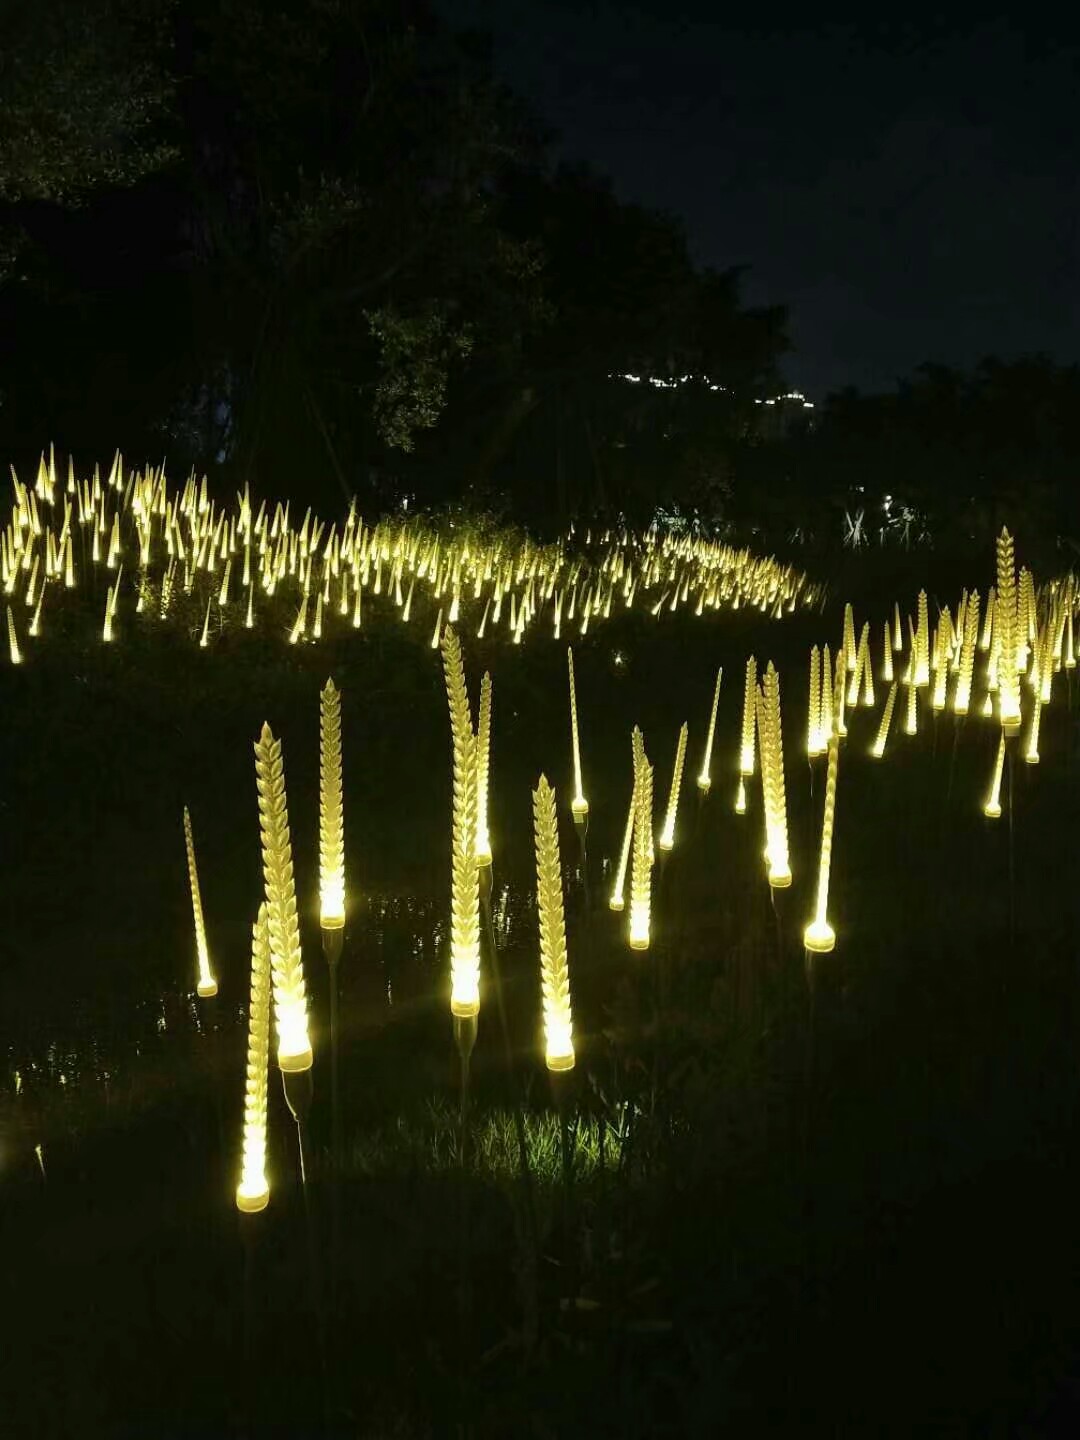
(746, 750)
(667, 834)
(205, 982)
(253, 1191)
(740, 797)
(878, 748)
(618, 889)
(331, 812)
(641, 868)
(992, 808)
(704, 778)
(579, 805)
(1005, 631)
(819, 935)
(483, 751)
(286, 961)
(464, 872)
(13, 639)
(770, 742)
(554, 971)
(814, 744)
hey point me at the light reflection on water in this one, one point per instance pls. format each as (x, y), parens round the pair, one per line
(106, 1054)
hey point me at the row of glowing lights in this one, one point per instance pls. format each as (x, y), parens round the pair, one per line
(659, 383)
(1010, 635)
(153, 544)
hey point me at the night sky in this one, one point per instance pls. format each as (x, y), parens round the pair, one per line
(911, 191)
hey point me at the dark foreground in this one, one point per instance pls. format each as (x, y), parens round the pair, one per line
(851, 1217)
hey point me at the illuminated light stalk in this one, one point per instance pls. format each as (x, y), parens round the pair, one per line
(749, 719)
(579, 805)
(839, 723)
(740, 797)
(849, 639)
(988, 619)
(898, 630)
(204, 638)
(922, 643)
(667, 834)
(331, 812)
(770, 739)
(1005, 623)
(813, 721)
(206, 984)
(554, 970)
(464, 873)
(867, 668)
(618, 889)
(483, 754)
(253, 1191)
(1031, 750)
(437, 632)
(911, 725)
(886, 658)
(286, 961)
(968, 643)
(819, 936)
(641, 868)
(992, 808)
(13, 639)
(878, 748)
(704, 779)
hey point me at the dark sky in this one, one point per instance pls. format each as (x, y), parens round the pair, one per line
(911, 192)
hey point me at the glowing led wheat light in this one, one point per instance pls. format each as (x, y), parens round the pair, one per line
(992, 808)
(770, 740)
(253, 1191)
(704, 779)
(464, 873)
(554, 973)
(819, 936)
(331, 812)
(814, 744)
(286, 962)
(1005, 625)
(207, 985)
(746, 750)
(13, 639)
(878, 748)
(667, 834)
(579, 805)
(618, 889)
(641, 868)
(483, 751)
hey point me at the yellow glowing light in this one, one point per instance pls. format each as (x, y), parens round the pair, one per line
(618, 890)
(819, 935)
(1005, 627)
(746, 750)
(641, 868)
(204, 638)
(554, 972)
(813, 721)
(579, 805)
(483, 752)
(740, 797)
(878, 749)
(886, 658)
(992, 808)
(207, 985)
(13, 639)
(253, 1191)
(770, 742)
(704, 779)
(1031, 750)
(911, 724)
(331, 812)
(286, 961)
(464, 874)
(667, 834)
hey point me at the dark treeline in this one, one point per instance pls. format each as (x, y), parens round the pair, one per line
(320, 245)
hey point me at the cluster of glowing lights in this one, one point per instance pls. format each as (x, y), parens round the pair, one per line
(161, 552)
